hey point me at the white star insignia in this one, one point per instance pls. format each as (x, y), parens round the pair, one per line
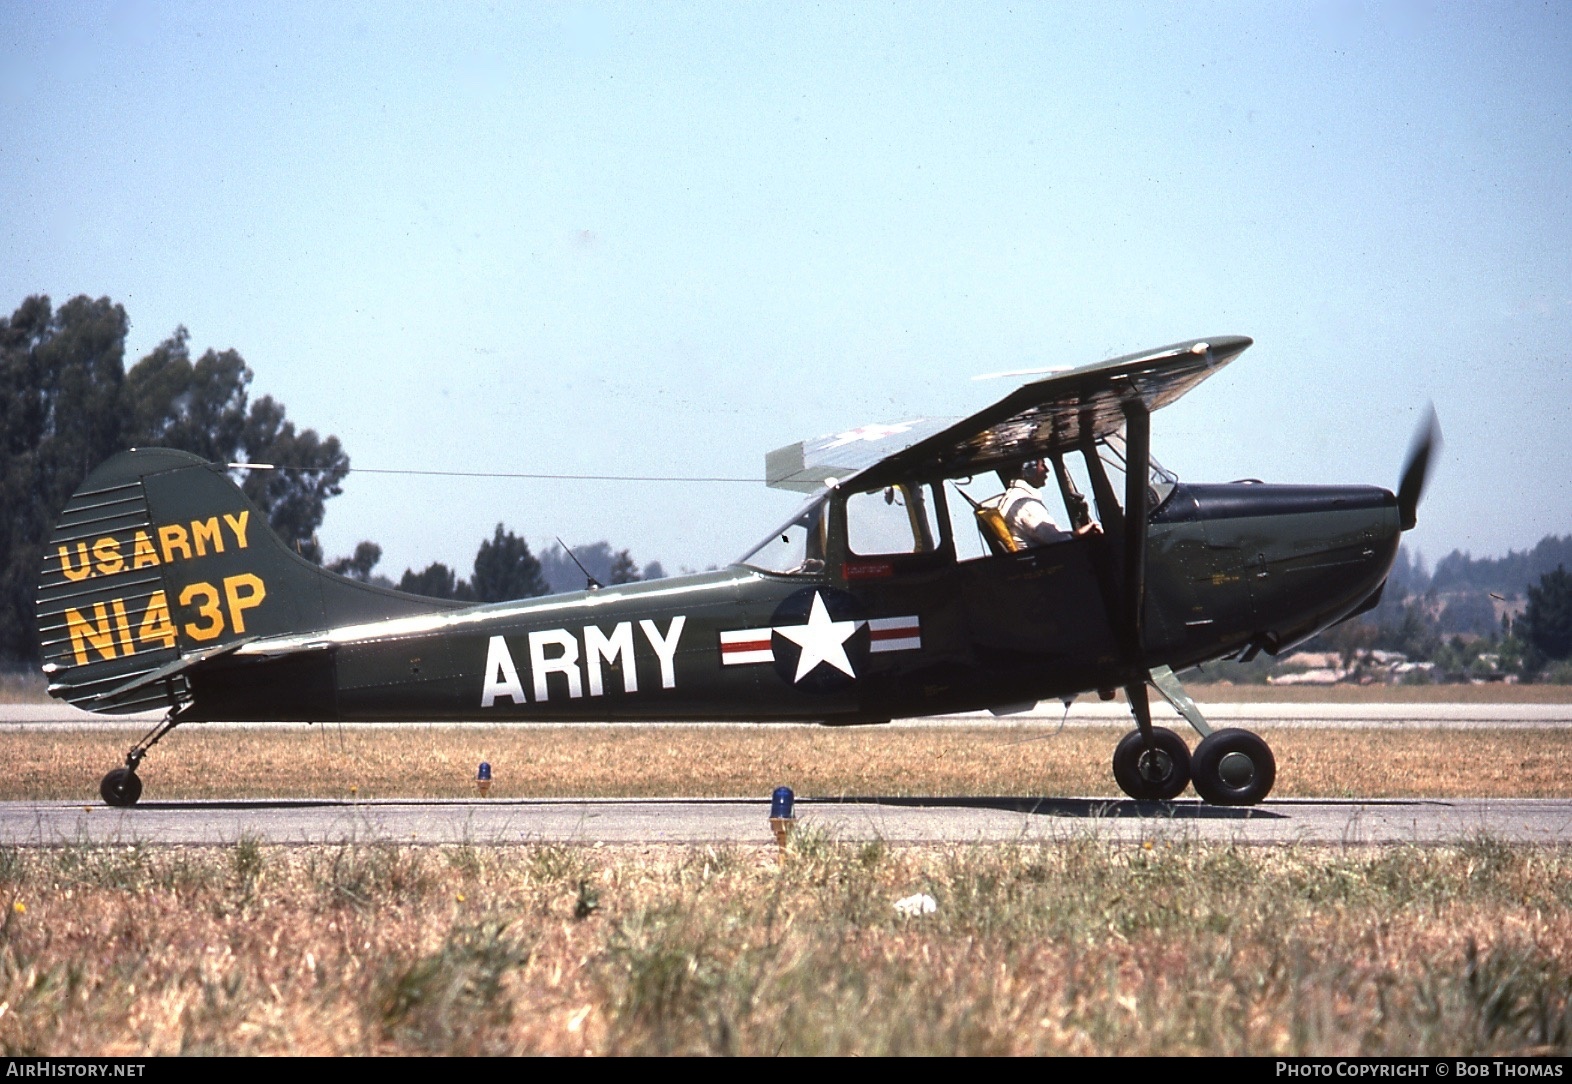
(821, 640)
(868, 432)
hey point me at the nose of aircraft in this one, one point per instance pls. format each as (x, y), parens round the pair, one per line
(1327, 553)
(1289, 560)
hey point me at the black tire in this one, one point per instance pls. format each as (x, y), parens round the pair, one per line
(1157, 773)
(121, 788)
(1233, 767)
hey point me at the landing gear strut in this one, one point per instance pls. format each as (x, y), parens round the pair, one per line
(122, 787)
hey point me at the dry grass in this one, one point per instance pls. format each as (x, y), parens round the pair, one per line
(612, 761)
(1082, 948)
(1379, 694)
(1088, 947)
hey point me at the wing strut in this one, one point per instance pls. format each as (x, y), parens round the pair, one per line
(1138, 443)
(1137, 456)
(1137, 452)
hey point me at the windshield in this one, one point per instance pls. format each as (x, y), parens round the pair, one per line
(797, 546)
(1160, 480)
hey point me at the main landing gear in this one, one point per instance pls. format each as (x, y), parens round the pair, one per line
(1230, 766)
(1154, 768)
(122, 787)
(1233, 767)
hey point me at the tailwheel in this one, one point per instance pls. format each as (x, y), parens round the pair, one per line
(1152, 768)
(121, 788)
(1233, 767)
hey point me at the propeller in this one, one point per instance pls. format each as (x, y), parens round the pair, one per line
(1426, 442)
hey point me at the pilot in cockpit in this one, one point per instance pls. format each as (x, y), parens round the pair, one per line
(1025, 515)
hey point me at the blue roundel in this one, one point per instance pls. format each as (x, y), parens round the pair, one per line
(820, 640)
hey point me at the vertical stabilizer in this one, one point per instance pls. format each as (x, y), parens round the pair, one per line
(158, 558)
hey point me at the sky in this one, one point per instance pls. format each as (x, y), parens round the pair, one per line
(665, 239)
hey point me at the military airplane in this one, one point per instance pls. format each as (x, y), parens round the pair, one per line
(893, 591)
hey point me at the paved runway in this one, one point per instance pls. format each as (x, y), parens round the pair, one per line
(738, 820)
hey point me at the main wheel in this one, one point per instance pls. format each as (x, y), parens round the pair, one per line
(121, 788)
(1159, 771)
(1233, 767)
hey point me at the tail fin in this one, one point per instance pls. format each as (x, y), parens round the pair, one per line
(160, 560)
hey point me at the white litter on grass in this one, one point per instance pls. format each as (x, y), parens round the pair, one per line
(920, 904)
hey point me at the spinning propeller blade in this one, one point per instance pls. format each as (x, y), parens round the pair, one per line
(1426, 442)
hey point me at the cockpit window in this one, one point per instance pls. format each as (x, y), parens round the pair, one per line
(895, 519)
(1160, 480)
(797, 546)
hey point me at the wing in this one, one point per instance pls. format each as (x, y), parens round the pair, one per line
(1052, 415)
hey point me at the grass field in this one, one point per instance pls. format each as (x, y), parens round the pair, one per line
(1086, 947)
(1493, 693)
(1079, 948)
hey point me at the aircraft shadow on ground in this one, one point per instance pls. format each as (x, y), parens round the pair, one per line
(1084, 808)
(1075, 808)
(208, 805)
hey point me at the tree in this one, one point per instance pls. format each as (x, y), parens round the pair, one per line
(624, 569)
(1414, 633)
(1546, 625)
(60, 382)
(310, 469)
(436, 580)
(562, 571)
(1350, 639)
(199, 408)
(358, 566)
(202, 408)
(561, 567)
(505, 569)
(1469, 611)
(67, 403)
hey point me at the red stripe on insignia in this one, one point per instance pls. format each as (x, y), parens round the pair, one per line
(895, 634)
(740, 647)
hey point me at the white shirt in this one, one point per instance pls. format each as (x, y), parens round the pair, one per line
(1027, 517)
